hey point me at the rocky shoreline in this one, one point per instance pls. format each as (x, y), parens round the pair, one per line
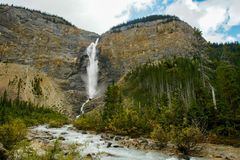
(41, 137)
(204, 150)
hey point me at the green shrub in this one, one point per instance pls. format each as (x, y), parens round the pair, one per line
(160, 135)
(55, 152)
(12, 132)
(186, 138)
(89, 121)
(23, 151)
(128, 122)
(56, 123)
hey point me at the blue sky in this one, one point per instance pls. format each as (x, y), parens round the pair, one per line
(219, 20)
(219, 27)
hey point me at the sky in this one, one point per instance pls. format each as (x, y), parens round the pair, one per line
(219, 20)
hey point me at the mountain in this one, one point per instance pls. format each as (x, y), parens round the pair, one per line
(46, 53)
(149, 39)
(157, 79)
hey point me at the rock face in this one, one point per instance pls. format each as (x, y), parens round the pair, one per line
(50, 45)
(50, 48)
(130, 45)
(32, 85)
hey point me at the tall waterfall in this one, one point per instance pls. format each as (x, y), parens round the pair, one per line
(92, 74)
(92, 70)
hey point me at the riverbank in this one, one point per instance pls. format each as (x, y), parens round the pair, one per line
(107, 146)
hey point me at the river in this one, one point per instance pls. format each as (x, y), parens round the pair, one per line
(99, 148)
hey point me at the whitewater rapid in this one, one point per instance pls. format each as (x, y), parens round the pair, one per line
(96, 146)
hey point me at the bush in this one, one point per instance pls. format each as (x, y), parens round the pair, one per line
(159, 135)
(129, 122)
(56, 123)
(12, 132)
(89, 121)
(23, 151)
(56, 152)
(186, 138)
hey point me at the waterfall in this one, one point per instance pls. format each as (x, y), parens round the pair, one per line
(82, 107)
(92, 70)
(214, 97)
(92, 74)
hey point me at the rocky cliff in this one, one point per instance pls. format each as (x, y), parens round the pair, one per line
(50, 45)
(45, 49)
(32, 85)
(149, 39)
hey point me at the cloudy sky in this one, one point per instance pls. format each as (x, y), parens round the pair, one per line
(219, 20)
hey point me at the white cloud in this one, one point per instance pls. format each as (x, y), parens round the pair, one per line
(215, 37)
(92, 15)
(238, 36)
(230, 39)
(234, 12)
(209, 16)
(142, 4)
(219, 37)
(186, 10)
(210, 21)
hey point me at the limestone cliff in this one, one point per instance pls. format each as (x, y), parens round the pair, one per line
(29, 84)
(45, 49)
(129, 45)
(48, 44)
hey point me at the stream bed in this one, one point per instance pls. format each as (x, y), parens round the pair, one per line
(99, 148)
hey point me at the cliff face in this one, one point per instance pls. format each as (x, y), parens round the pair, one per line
(130, 45)
(36, 45)
(49, 45)
(31, 85)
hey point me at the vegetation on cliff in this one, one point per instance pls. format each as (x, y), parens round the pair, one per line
(130, 24)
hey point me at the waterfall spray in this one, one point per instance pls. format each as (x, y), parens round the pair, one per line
(92, 70)
(92, 74)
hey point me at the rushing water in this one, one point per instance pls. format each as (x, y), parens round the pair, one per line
(94, 145)
(92, 70)
(92, 74)
(214, 97)
(82, 107)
